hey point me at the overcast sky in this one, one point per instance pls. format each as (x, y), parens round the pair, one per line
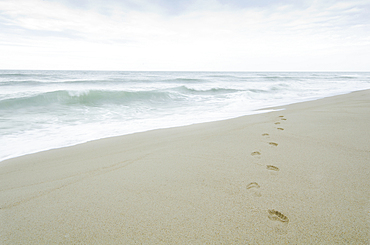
(193, 35)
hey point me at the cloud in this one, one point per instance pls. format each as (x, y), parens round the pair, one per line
(183, 35)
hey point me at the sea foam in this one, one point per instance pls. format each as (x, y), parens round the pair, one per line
(40, 110)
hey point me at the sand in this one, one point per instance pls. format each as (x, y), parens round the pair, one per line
(299, 176)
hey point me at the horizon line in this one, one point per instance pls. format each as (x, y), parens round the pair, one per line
(103, 70)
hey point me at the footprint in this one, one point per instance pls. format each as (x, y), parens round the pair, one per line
(276, 215)
(271, 167)
(273, 143)
(256, 153)
(265, 134)
(254, 188)
(253, 185)
(283, 119)
(281, 116)
(277, 123)
(280, 128)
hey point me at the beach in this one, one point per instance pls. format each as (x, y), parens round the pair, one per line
(296, 175)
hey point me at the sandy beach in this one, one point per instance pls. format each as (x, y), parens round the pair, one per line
(299, 175)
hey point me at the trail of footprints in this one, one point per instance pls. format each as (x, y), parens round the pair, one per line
(254, 186)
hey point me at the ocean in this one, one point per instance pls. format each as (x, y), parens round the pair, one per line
(41, 110)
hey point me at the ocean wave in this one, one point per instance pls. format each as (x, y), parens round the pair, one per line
(86, 98)
(21, 75)
(348, 76)
(54, 81)
(9, 82)
(222, 76)
(184, 80)
(223, 91)
(101, 97)
(210, 91)
(91, 97)
(282, 78)
(13, 75)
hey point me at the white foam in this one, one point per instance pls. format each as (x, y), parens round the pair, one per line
(27, 130)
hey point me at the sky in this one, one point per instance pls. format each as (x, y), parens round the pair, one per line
(179, 35)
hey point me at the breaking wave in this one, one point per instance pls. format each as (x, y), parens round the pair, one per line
(41, 110)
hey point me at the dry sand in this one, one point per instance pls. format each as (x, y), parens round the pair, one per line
(298, 176)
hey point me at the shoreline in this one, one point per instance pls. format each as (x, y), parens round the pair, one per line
(254, 112)
(276, 177)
